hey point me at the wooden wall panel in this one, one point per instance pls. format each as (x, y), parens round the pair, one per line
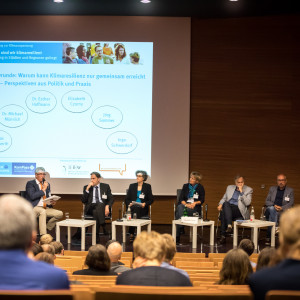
(245, 104)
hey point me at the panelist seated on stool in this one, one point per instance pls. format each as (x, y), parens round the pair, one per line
(234, 205)
(279, 199)
(192, 197)
(97, 198)
(37, 190)
(141, 193)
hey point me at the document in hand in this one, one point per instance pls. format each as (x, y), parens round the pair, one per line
(137, 203)
(51, 198)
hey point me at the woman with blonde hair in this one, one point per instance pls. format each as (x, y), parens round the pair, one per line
(191, 198)
(286, 274)
(236, 268)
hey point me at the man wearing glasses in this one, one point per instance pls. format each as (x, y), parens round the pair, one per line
(279, 199)
(234, 205)
(36, 191)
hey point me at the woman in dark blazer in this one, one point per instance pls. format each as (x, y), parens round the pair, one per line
(140, 192)
(192, 197)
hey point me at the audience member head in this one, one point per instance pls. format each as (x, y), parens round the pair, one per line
(97, 258)
(46, 257)
(265, 257)
(114, 251)
(289, 235)
(236, 268)
(17, 223)
(149, 248)
(109, 242)
(170, 247)
(58, 247)
(36, 249)
(48, 248)
(247, 245)
(46, 239)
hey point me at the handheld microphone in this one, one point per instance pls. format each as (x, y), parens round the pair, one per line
(206, 209)
(43, 181)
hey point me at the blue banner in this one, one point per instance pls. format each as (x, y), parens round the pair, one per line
(31, 52)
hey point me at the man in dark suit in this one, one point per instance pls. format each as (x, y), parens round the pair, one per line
(97, 198)
(280, 198)
(37, 190)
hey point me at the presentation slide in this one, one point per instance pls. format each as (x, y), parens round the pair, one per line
(74, 107)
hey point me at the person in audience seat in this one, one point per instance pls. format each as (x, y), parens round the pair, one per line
(98, 262)
(17, 233)
(170, 253)
(286, 274)
(58, 247)
(149, 251)
(236, 268)
(264, 258)
(114, 251)
(248, 246)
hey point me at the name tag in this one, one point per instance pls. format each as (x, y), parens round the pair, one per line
(104, 196)
(196, 196)
(142, 196)
(191, 200)
(287, 199)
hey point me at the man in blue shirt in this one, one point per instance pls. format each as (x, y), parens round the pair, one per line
(17, 233)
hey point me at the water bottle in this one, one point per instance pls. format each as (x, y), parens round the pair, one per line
(185, 213)
(252, 216)
(128, 214)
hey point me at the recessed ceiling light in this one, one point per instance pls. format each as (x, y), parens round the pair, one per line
(58, 1)
(145, 1)
(233, 0)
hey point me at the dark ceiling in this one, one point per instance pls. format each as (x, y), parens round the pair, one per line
(172, 8)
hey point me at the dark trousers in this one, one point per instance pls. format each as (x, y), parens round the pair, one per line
(98, 213)
(229, 213)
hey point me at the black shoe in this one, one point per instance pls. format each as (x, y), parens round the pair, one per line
(222, 240)
(229, 230)
(131, 238)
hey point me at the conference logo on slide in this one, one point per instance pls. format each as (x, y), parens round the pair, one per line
(17, 168)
